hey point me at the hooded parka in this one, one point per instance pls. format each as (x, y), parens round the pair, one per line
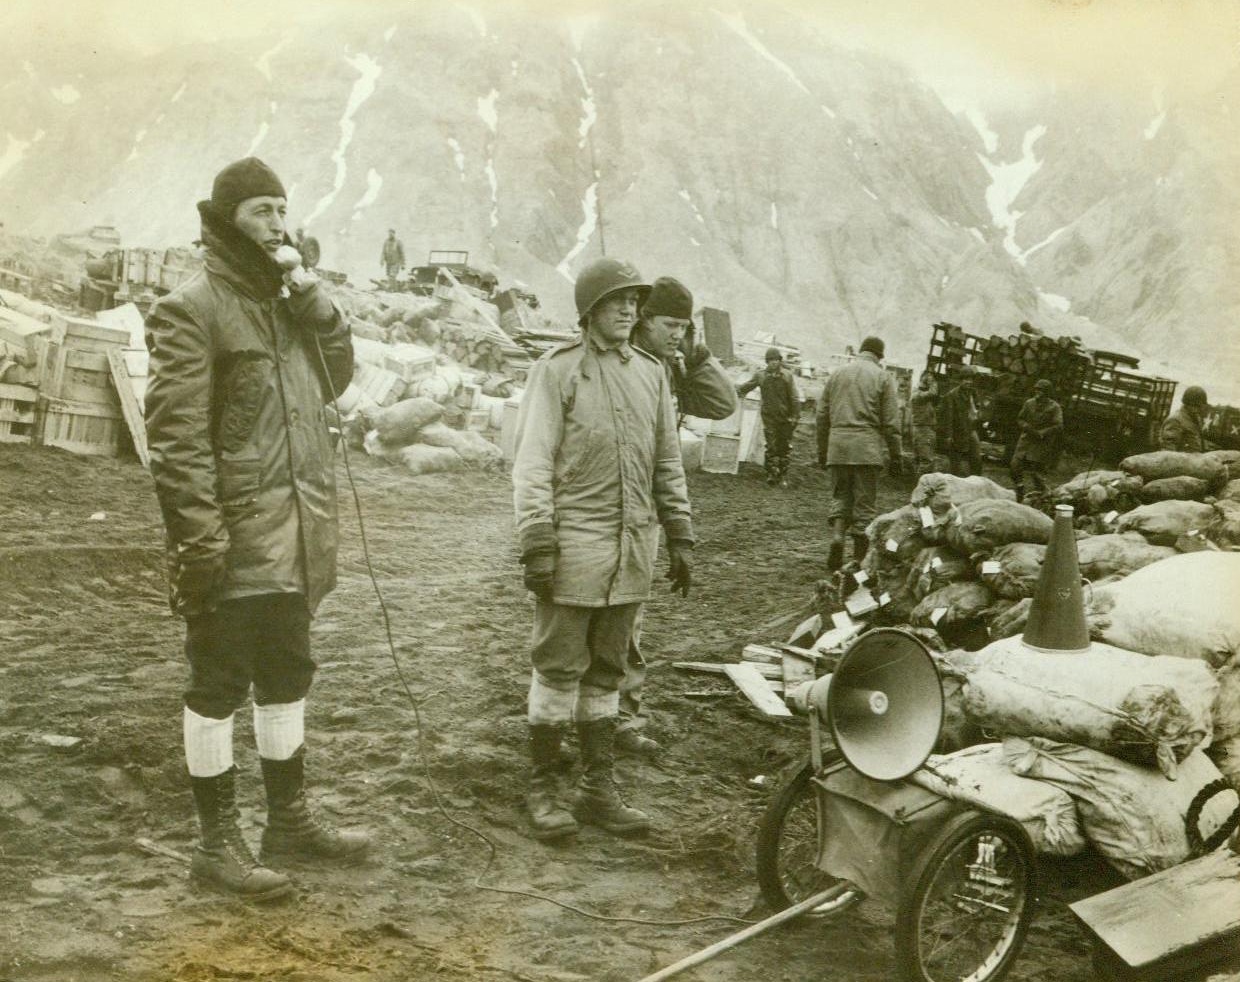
(240, 451)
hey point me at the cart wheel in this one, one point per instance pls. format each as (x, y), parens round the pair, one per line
(787, 850)
(969, 903)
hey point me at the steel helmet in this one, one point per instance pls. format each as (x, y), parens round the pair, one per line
(1194, 395)
(603, 277)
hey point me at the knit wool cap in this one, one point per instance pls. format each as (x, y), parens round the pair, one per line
(669, 298)
(874, 346)
(242, 179)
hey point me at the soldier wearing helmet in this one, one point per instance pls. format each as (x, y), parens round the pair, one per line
(1038, 446)
(1182, 429)
(596, 472)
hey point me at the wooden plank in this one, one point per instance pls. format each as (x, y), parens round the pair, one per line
(1188, 907)
(796, 670)
(756, 689)
(129, 405)
(761, 653)
(809, 628)
(720, 668)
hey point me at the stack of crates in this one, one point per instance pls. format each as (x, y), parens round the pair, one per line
(17, 413)
(78, 406)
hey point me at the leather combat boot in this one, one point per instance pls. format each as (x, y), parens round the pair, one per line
(222, 857)
(292, 828)
(598, 802)
(835, 551)
(633, 741)
(549, 815)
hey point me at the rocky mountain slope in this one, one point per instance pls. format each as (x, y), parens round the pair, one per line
(814, 191)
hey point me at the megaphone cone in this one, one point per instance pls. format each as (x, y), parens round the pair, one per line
(885, 704)
(1057, 616)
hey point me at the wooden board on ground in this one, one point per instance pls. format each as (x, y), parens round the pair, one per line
(761, 653)
(807, 630)
(129, 404)
(720, 668)
(757, 690)
(1171, 920)
(797, 670)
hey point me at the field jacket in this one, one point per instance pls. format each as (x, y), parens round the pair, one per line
(242, 460)
(780, 400)
(1181, 431)
(1041, 431)
(597, 458)
(861, 412)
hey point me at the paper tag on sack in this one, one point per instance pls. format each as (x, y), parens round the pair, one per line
(936, 562)
(937, 615)
(1110, 516)
(884, 599)
(991, 566)
(860, 576)
(1193, 532)
(841, 619)
(927, 516)
(893, 545)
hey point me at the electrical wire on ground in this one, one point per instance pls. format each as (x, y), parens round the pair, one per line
(492, 849)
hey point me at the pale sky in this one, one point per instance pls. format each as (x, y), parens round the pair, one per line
(967, 49)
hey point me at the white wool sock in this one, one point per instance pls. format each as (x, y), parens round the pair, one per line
(549, 705)
(279, 729)
(208, 743)
(594, 703)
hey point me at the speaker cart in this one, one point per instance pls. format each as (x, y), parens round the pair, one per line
(961, 881)
(849, 826)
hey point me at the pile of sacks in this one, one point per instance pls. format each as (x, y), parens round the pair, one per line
(412, 433)
(1132, 745)
(1186, 500)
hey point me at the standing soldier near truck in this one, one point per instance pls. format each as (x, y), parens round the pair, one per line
(1182, 429)
(924, 424)
(392, 259)
(1037, 449)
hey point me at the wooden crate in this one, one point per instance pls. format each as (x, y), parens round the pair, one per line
(17, 413)
(80, 427)
(721, 453)
(87, 335)
(380, 385)
(478, 419)
(717, 334)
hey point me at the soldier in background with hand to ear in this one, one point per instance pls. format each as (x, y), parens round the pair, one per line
(243, 356)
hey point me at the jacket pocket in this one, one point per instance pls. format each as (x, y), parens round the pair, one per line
(238, 483)
(244, 379)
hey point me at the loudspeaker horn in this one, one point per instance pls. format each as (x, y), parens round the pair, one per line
(885, 704)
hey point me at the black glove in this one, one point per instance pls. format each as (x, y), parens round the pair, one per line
(199, 583)
(680, 566)
(696, 355)
(540, 573)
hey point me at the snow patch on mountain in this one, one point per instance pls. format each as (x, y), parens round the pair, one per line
(1151, 131)
(1045, 242)
(137, 142)
(263, 64)
(458, 155)
(736, 22)
(389, 33)
(368, 75)
(494, 182)
(66, 94)
(1055, 301)
(373, 183)
(15, 149)
(869, 192)
(1006, 183)
(589, 111)
(696, 214)
(774, 216)
(259, 137)
(475, 15)
(487, 111)
(990, 139)
(589, 209)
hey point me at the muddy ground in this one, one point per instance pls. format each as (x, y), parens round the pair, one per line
(89, 651)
